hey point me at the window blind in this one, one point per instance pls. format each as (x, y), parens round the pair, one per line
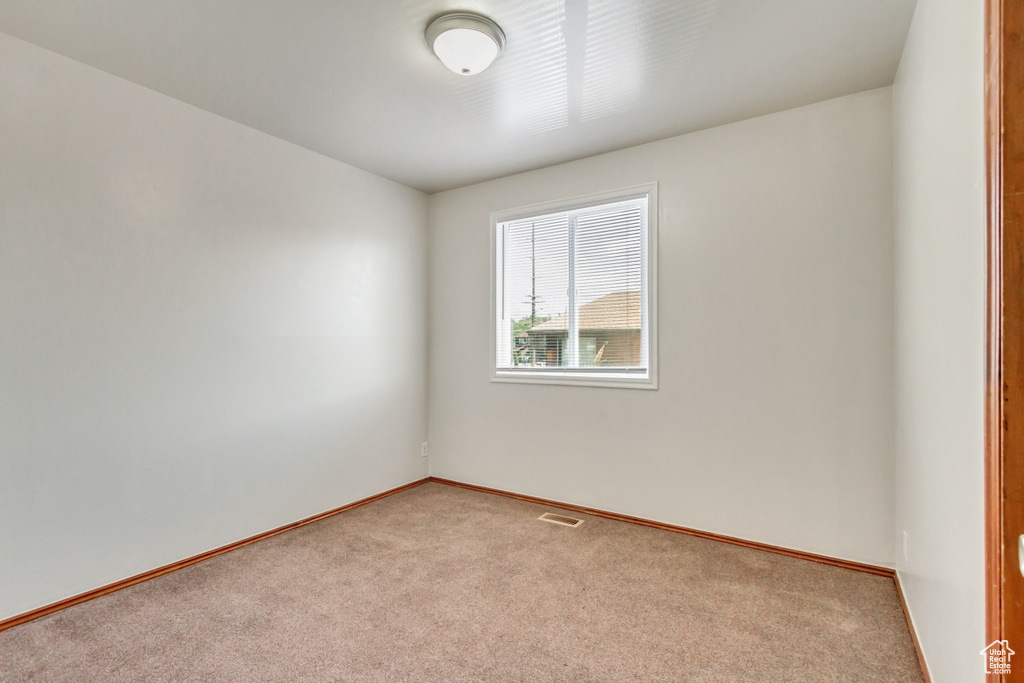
(571, 291)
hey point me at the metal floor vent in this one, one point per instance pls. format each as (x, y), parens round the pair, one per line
(560, 519)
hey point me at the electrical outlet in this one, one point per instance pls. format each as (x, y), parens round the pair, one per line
(906, 547)
(423, 449)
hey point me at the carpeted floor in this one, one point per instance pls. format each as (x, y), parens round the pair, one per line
(442, 584)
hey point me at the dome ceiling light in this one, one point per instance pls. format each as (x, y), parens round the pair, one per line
(465, 43)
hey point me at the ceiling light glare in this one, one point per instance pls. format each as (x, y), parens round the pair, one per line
(465, 43)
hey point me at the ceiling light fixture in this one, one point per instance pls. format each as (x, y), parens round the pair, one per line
(465, 43)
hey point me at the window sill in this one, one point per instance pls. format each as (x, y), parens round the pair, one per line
(575, 379)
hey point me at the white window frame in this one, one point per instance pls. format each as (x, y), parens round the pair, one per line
(649, 294)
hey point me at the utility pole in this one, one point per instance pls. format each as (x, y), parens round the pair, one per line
(533, 274)
(533, 283)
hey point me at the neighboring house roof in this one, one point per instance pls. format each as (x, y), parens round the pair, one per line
(615, 311)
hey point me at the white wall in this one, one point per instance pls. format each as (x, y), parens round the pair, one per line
(774, 417)
(940, 327)
(205, 332)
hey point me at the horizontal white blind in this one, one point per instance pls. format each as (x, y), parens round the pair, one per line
(608, 278)
(570, 291)
(536, 287)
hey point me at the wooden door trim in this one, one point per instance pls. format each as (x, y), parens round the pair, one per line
(994, 332)
(1004, 401)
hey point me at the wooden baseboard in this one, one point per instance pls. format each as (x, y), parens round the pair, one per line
(913, 633)
(823, 559)
(167, 569)
(181, 564)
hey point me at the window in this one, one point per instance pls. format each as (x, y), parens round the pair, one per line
(573, 291)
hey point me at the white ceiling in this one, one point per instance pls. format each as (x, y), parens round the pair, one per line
(355, 80)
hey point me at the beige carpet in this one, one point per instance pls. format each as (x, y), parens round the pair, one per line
(442, 584)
